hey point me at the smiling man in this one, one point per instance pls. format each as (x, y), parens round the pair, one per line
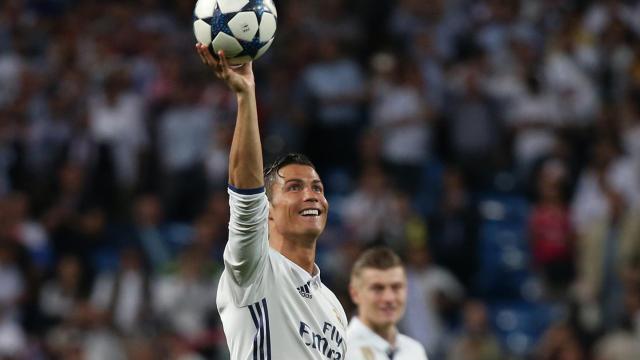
(270, 297)
(379, 289)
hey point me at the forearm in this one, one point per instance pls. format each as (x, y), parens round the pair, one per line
(245, 158)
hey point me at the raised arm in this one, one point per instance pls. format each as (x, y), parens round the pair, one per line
(245, 158)
(246, 251)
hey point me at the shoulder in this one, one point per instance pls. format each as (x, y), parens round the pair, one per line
(410, 345)
(360, 352)
(353, 332)
(330, 293)
(335, 302)
(360, 345)
(358, 334)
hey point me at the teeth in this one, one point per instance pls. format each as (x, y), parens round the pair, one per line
(313, 212)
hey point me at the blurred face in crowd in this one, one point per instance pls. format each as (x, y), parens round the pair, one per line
(374, 181)
(148, 210)
(71, 178)
(604, 153)
(143, 350)
(418, 256)
(6, 254)
(380, 295)
(475, 317)
(130, 259)
(298, 205)
(328, 49)
(69, 272)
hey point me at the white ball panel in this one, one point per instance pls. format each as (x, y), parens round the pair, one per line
(228, 6)
(205, 8)
(267, 27)
(244, 25)
(271, 6)
(228, 44)
(263, 49)
(202, 30)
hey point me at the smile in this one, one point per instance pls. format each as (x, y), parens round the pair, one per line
(310, 212)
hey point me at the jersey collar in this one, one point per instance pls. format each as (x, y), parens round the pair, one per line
(304, 275)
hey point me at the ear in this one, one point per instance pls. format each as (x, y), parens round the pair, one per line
(354, 293)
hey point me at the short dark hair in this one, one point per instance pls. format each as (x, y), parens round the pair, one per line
(273, 171)
(379, 258)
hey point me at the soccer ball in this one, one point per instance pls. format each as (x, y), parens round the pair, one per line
(243, 29)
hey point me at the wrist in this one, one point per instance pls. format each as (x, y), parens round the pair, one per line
(246, 94)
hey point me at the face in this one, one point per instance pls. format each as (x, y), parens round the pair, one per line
(381, 296)
(298, 206)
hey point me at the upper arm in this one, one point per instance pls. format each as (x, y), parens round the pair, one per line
(247, 249)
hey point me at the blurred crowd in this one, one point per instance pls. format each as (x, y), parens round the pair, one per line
(495, 144)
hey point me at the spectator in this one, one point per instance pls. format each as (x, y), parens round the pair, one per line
(333, 19)
(401, 116)
(184, 136)
(334, 89)
(13, 283)
(606, 192)
(367, 209)
(60, 295)
(623, 342)
(568, 82)
(533, 117)
(474, 123)
(13, 340)
(144, 349)
(629, 130)
(73, 223)
(116, 119)
(433, 292)
(550, 231)
(476, 342)
(451, 229)
(25, 231)
(560, 342)
(429, 63)
(150, 231)
(123, 297)
(185, 300)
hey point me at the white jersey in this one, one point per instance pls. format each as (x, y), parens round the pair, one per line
(270, 307)
(364, 344)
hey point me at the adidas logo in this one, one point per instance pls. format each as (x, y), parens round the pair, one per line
(304, 291)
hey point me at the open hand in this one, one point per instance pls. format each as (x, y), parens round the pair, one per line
(239, 78)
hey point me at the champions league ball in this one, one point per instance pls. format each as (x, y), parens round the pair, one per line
(243, 29)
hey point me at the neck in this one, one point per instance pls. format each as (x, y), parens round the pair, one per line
(301, 251)
(387, 332)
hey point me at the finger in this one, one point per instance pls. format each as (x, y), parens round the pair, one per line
(211, 60)
(205, 55)
(201, 53)
(223, 59)
(223, 65)
(202, 58)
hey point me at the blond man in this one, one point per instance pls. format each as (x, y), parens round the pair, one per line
(379, 289)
